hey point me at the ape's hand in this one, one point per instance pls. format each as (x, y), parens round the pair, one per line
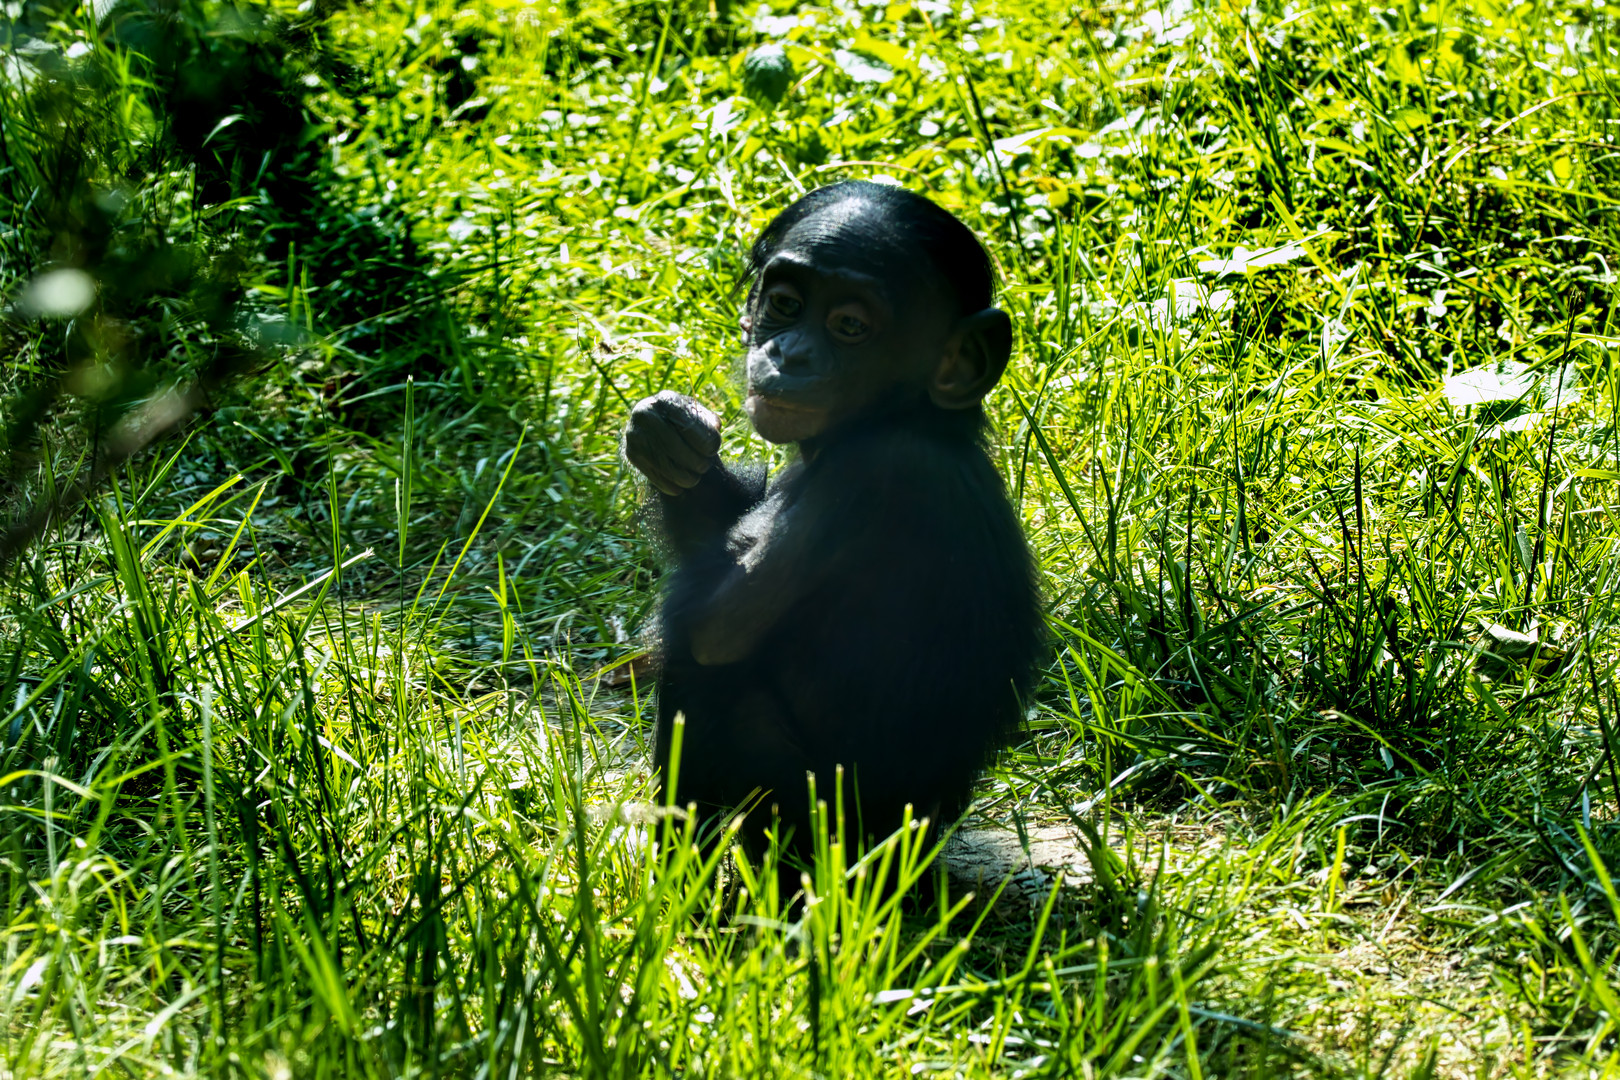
(672, 441)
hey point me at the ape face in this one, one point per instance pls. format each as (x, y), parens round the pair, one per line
(845, 317)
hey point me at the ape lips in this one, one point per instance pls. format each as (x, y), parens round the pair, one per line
(874, 607)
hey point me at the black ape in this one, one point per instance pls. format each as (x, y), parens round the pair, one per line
(876, 606)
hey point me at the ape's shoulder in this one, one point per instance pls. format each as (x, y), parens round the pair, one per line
(928, 458)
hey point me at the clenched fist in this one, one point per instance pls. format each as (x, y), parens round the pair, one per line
(672, 441)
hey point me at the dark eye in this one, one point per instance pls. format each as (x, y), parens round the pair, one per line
(849, 326)
(783, 305)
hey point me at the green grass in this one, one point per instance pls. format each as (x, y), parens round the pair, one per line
(312, 774)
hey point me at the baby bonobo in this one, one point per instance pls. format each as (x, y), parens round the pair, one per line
(876, 606)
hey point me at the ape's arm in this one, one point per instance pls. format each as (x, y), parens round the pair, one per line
(698, 517)
(674, 442)
(778, 559)
(845, 518)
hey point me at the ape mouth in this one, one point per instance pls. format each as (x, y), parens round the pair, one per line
(757, 399)
(781, 420)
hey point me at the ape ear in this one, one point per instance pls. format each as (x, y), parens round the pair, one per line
(975, 356)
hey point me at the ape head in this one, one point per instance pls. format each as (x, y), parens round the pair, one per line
(867, 297)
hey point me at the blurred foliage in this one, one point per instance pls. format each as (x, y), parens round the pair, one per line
(161, 159)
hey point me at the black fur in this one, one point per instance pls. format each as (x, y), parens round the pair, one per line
(875, 607)
(908, 661)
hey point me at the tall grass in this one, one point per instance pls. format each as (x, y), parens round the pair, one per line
(306, 766)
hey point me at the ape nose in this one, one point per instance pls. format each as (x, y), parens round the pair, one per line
(797, 352)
